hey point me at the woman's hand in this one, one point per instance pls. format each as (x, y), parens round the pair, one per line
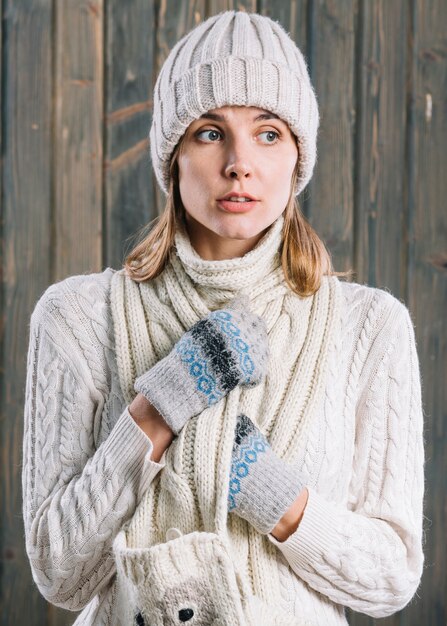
(228, 347)
(291, 519)
(263, 489)
(151, 422)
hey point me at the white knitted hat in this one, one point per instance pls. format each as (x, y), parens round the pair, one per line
(233, 58)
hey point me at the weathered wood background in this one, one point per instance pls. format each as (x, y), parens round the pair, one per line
(76, 89)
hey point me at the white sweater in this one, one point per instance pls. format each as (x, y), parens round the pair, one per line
(86, 463)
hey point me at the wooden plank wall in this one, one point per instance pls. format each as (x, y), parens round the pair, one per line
(76, 93)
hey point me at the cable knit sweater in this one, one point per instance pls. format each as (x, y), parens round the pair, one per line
(87, 465)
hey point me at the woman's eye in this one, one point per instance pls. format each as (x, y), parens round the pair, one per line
(212, 134)
(272, 136)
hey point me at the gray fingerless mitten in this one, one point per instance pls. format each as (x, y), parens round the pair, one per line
(262, 486)
(228, 347)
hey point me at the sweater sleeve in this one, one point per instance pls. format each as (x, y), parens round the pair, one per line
(75, 497)
(368, 555)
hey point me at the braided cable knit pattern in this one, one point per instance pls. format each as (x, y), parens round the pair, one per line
(370, 556)
(76, 493)
(86, 465)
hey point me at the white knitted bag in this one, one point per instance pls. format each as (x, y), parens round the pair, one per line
(190, 578)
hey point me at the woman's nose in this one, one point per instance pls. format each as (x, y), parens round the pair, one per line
(238, 171)
(238, 162)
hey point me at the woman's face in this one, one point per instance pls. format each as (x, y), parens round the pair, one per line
(234, 150)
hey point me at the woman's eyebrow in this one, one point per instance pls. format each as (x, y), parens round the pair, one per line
(222, 118)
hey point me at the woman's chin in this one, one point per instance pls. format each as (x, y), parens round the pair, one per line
(227, 235)
(242, 227)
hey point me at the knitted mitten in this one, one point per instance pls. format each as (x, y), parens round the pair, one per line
(228, 347)
(262, 486)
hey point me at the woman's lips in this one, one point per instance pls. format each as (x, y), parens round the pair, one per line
(237, 207)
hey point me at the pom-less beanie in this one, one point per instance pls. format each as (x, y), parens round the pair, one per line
(233, 58)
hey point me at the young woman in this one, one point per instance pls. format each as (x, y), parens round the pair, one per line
(226, 363)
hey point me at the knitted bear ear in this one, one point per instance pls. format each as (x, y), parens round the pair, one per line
(139, 620)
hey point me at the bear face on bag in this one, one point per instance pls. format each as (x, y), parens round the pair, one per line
(189, 602)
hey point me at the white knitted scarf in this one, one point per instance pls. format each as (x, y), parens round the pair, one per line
(190, 494)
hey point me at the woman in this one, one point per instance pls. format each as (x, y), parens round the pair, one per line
(225, 380)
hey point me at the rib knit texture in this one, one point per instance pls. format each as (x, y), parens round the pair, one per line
(262, 486)
(233, 58)
(172, 501)
(87, 468)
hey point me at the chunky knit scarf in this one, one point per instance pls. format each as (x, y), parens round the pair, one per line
(190, 494)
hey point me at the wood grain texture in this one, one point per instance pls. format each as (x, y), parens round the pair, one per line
(78, 136)
(427, 281)
(293, 16)
(216, 6)
(128, 184)
(331, 48)
(381, 67)
(26, 269)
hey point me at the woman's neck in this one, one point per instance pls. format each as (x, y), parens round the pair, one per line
(211, 246)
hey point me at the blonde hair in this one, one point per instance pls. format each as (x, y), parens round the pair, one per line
(304, 257)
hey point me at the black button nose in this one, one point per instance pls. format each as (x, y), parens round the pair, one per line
(185, 615)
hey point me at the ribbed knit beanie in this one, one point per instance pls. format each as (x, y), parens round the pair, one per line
(233, 58)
